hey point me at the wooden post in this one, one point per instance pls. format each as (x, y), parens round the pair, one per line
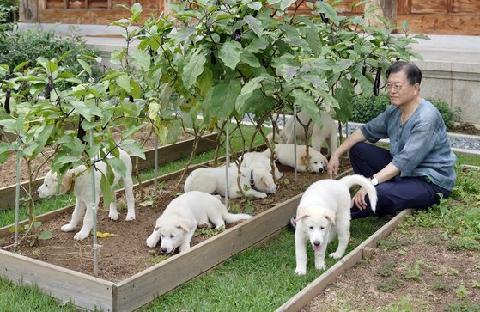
(28, 11)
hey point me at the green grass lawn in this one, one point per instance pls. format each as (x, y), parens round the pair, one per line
(262, 277)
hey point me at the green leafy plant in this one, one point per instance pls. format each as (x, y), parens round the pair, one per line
(19, 46)
(8, 15)
(365, 108)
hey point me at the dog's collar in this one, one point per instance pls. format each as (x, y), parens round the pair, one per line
(252, 182)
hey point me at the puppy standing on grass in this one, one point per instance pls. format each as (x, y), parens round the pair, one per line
(176, 226)
(80, 180)
(323, 212)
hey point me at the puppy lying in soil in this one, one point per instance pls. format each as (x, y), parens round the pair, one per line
(177, 224)
(285, 154)
(255, 182)
(323, 213)
(80, 180)
(259, 160)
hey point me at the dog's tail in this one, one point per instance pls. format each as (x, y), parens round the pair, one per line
(356, 179)
(235, 217)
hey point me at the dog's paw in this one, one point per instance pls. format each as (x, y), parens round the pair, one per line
(68, 227)
(130, 217)
(113, 215)
(336, 255)
(300, 271)
(80, 236)
(262, 195)
(151, 242)
(320, 266)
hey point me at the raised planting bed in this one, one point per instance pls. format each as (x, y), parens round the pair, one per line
(305, 296)
(166, 153)
(130, 274)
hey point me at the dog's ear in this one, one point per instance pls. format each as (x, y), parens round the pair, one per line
(301, 216)
(330, 216)
(67, 181)
(185, 225)
(305, 159)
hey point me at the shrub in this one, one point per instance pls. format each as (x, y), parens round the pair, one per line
(366, 108)
(8, 15)
(28, 45)
(449, 116)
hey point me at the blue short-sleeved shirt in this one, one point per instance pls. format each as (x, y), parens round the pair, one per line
(420, 146)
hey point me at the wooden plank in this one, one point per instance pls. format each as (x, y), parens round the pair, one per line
(465, 6)
(145, 286)
(66, 285)
(403, 7)
(429, 6)
(90, 16)
(176, 151)
(443, 23)
(313, 289)
(28, 10)
(167, 153)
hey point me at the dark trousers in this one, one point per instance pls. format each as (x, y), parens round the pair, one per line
(394, 195)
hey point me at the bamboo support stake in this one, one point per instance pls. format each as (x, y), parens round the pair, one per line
(94, 211)
(155, 183)
(227, 164)
(17, 188)
(295, 140)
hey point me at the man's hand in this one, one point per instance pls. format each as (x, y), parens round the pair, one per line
(359, 199)
(333, 165)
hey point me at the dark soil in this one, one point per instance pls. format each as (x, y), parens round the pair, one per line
(126, 253)
(466, 128)
(412, 270)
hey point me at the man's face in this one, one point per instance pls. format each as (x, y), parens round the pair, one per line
(400, 90)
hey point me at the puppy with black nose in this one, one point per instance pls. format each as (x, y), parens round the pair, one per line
(323, 213)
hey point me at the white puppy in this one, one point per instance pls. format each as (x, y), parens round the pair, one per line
(255, 182)
(319, 134)
(259, 160)
(285, 153)
(80, 180)
(323, 213)
(177, 224)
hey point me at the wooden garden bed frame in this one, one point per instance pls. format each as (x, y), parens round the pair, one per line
(89, 292)
(166, 153)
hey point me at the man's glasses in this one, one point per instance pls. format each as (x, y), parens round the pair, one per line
(393, 87)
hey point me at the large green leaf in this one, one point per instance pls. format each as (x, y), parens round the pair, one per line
(107, 190)
(193, 69)
(258, 44)
(118, 165)
(254, 24)
(247, 91)
(221, 100)
(142, 58)
(133, 148)
(344, 96)
(230, 53)
(306, 103)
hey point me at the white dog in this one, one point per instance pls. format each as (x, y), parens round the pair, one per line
(323, 213)
(285, 153)
(319, 134)
(80, 180)
(259, 160)
(177, 224)
(255, 182)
